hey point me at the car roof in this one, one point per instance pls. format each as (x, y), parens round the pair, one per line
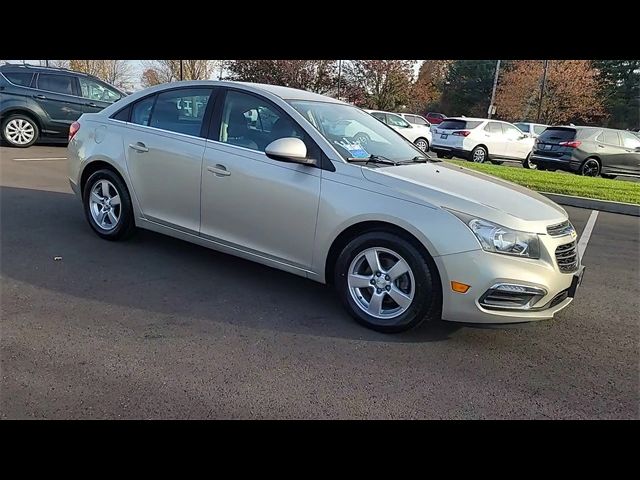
(475, 119)
(17, 67)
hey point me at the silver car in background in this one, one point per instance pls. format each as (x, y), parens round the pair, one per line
(418, 134)
(266, 173)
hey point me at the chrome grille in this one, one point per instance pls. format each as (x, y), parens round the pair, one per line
(561, 229)
(567, 257)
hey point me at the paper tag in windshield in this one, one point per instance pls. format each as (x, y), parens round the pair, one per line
(354, 149)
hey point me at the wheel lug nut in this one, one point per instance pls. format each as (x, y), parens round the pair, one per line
(373, 282)
(387, 277)
(379, 290)
(378, 274)
(388, 287)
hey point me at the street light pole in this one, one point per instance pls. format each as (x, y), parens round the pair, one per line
(493, 92)
(180, 69)
(339, 76)
(544, 79)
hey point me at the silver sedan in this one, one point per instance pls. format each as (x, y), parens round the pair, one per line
(270, 174)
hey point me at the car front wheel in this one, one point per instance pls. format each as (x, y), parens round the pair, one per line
(386, 284)
(107, 205)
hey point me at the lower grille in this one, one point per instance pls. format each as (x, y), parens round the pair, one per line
(567, 257)
(559, 298)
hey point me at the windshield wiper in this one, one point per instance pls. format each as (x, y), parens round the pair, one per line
(373, 159)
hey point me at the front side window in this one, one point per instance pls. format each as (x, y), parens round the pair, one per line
(56, 83)
(380, 116)
(397, 121)
(629, 140)
(19, 78)
(97, 91)
(252, 122)
(410, 118)
(141, 111)
(354, 133)
(510, 131)
(523, 126)
(181, 110)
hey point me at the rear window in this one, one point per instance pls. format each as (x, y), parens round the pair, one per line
(459, 124)
(557, 135)
(19, 78)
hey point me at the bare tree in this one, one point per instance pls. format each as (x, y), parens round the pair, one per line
(169, 70)
(383, 84)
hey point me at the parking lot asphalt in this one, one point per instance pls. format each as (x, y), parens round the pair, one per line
(159, 328)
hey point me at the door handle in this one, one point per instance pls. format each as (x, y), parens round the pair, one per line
(139, 147)
(91, 104)
(219, 170)
(41, 97)
(600, 146)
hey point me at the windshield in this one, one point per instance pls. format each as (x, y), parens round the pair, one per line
(354, 133)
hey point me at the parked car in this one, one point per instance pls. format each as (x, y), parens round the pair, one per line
(419, 135)
(435, 118)
(589, 151)
(403, 239)
(480, 139)
(415, 119)
(42, 102)
(532, 130)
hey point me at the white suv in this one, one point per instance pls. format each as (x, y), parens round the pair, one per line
(419, 135)
(480, 139)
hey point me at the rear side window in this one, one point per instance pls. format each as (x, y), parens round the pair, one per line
(420, 121)
(610, 138)
(494, 127)
(56, 83)
(557, 135)
(538, 129)
(123, 114)
(459, 124)
(141, 111)
(19, 78)
(181, 111)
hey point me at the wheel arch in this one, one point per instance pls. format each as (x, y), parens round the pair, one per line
(21, 110)
(359, 228)
(99, 164)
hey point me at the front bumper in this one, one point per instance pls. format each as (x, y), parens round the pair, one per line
(483, 270)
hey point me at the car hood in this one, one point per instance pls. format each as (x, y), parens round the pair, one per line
(474, 193)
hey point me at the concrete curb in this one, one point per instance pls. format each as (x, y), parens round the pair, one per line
(592, 204)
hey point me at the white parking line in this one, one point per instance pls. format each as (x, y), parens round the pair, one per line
(586, 233)
(43, 159)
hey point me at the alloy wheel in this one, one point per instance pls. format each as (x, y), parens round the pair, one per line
(104, 203)
(422, 144)
(381, 283)
(479, 155)
(19, 131)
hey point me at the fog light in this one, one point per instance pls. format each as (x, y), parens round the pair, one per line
(460, 287)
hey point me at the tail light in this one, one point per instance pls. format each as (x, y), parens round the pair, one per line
(573, 144)
(73, 129)
(462, 133)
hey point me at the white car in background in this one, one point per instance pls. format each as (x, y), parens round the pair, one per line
(416, 119)
(480, 139)
(531, 129)
(419, 135)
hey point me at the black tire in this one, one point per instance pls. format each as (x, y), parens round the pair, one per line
(479, 155)
(441, 155)
(497, 162)
(590, 168)
(362, 138)
(526, 163)
(427, 297)
(7, 124)
(422, 141)
(125, 225)
(608, 176)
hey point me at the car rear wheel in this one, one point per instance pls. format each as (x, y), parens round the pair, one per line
(606, 175)
(362, 138)
(107, 205)
(590, 168)
(422, 144)
(20, 131)
(479, 154)
(386, 284)
(526, 163)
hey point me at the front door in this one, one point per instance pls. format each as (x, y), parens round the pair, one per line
(96, 94)
(630, 162)
(517, 144)
(261, 206)
(164, 148)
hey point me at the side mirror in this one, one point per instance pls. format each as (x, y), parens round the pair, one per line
(637, 149)
(289, 149)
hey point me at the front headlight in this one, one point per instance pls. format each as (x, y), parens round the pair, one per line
(498, 239)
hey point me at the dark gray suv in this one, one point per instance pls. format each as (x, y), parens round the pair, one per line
(42, 102)
(589, 151)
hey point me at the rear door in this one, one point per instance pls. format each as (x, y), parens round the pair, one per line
(493, 137)
(58, 96)
(631, 153)
(96, 95)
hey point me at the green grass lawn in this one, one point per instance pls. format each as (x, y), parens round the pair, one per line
(566, 184)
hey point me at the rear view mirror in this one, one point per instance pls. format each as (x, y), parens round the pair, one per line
(289, 149)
